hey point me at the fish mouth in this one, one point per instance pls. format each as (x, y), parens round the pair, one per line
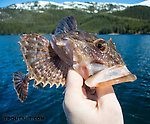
(110, 76)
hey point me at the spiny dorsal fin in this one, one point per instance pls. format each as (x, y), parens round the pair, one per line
(66, 24)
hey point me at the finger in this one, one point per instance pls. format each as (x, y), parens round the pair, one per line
(105, 96)
(102, 91)
(107, 99)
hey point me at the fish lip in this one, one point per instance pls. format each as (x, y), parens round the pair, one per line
(110, 76)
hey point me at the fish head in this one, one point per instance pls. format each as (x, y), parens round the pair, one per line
(95, 59)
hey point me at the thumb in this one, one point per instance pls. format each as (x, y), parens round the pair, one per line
(73, 93)
(74, 84)
(74, 81)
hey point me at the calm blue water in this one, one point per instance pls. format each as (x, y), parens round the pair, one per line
(46, 105)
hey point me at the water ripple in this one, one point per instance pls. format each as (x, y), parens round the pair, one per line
(134, 97)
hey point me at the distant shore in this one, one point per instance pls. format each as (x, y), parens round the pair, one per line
(93, 34)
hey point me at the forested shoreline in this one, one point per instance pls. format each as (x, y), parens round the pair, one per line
(133, 20)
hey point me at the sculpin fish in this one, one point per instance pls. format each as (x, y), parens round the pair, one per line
(95, 59)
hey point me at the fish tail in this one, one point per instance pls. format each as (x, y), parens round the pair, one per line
(21, 85)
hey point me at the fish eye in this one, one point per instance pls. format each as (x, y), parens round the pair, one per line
(102, 46)
(99, 45)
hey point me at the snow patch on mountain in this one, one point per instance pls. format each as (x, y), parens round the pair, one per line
(145, 3)
(91, 7)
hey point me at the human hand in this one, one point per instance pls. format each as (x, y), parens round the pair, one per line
(82, 107)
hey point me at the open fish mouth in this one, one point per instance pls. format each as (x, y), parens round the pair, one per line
(110, 76)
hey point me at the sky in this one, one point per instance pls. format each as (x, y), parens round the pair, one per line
(4, 3)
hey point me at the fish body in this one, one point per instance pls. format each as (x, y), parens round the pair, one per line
(95, 59)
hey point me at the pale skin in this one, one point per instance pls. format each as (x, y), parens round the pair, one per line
(81, 107)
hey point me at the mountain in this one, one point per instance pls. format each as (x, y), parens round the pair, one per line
(90, 7)
(138, 12)
(43, 17)
(145, 3)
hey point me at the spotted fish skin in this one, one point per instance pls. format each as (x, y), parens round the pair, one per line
(95, 59)
(43, 65)
(42, 62)
(48, 61)
(84, 51)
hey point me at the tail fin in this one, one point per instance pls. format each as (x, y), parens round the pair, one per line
(21, 85)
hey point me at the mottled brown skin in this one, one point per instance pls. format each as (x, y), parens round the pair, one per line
(84, 49)
(49, 61)
(42, 62)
